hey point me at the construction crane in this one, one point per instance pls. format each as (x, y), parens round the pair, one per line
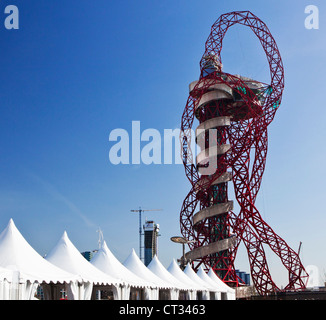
(140, 210)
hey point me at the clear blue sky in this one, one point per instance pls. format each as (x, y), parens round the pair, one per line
(75, 70)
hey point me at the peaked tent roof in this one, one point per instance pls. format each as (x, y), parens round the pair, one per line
(204, 276)
(175, 270)
(192, 275)
(157, 268)
(66, 256)
(134, 264)
(224, 287)
(18, 255)
(105, 260)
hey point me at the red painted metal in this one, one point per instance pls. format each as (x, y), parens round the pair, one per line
(247, 136)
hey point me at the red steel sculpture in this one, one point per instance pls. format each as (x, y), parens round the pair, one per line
(234, 112)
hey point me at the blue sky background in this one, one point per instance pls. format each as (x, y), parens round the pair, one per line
(74, 71)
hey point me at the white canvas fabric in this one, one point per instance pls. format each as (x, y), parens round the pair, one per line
(224, 288)
(105, 261)
(203, 275)
(30, 268)
(175, 270)
(135, 265)
(5, 274)
(5, 287)
(158, 269)
(6, 277)
(66, 256)
(193, 276)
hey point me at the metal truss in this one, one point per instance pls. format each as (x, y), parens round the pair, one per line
(239, 110)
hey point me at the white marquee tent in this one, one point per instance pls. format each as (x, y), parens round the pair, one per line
(22, 270)
(204, 276)
(135, 265)
(157, 268)
(175, 270)
(230, 292)
(29, 268)
(66, 256)
(193, 276)
(105, 260)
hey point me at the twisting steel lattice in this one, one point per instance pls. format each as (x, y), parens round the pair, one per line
(233, 112)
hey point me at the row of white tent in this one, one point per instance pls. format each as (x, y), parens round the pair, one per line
(23, 271)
